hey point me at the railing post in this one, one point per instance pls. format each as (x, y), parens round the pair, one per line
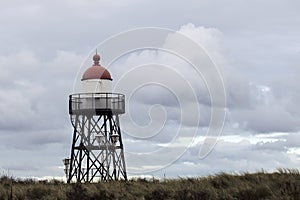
(78, 102)
(106, 100)
(93, 101)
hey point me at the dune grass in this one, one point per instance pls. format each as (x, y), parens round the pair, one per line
(283, 184)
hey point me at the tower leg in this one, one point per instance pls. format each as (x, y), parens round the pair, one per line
(94, 160)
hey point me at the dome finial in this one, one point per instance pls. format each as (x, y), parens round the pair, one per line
(96, 58)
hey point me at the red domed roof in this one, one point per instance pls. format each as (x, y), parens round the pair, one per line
(96, 71)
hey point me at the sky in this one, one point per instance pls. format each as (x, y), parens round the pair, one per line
(254, 45)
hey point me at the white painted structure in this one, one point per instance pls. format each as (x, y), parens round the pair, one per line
(96, 86)
(96, 90)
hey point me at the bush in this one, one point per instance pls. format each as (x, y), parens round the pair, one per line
(38, 192)
(77, 192)
(260, 192)
(158, 194)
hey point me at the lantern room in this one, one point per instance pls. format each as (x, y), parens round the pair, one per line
(96, 79)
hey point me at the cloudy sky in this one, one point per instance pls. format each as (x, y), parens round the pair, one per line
(46, 45)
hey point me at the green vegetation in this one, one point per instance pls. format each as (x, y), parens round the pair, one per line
(283, 184)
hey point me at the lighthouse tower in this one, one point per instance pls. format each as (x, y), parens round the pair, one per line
(97, 147)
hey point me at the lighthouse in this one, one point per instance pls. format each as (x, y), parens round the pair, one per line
(97, 152)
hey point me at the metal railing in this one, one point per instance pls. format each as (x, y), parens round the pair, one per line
(97, 102)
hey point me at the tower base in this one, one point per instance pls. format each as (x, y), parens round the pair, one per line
(97, 149)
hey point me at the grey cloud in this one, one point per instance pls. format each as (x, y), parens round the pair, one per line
(36, 162)
(34, 140)
(34, 94)
(274, 146)
(254, 109)
(43, 43)
(293, 140)
(266, 119)
(268, 111)
(286, 90)
(58, 24)
(230, 157)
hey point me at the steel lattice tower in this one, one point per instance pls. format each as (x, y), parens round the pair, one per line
(97, 151)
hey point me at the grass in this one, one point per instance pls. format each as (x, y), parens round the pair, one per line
(283, 184)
